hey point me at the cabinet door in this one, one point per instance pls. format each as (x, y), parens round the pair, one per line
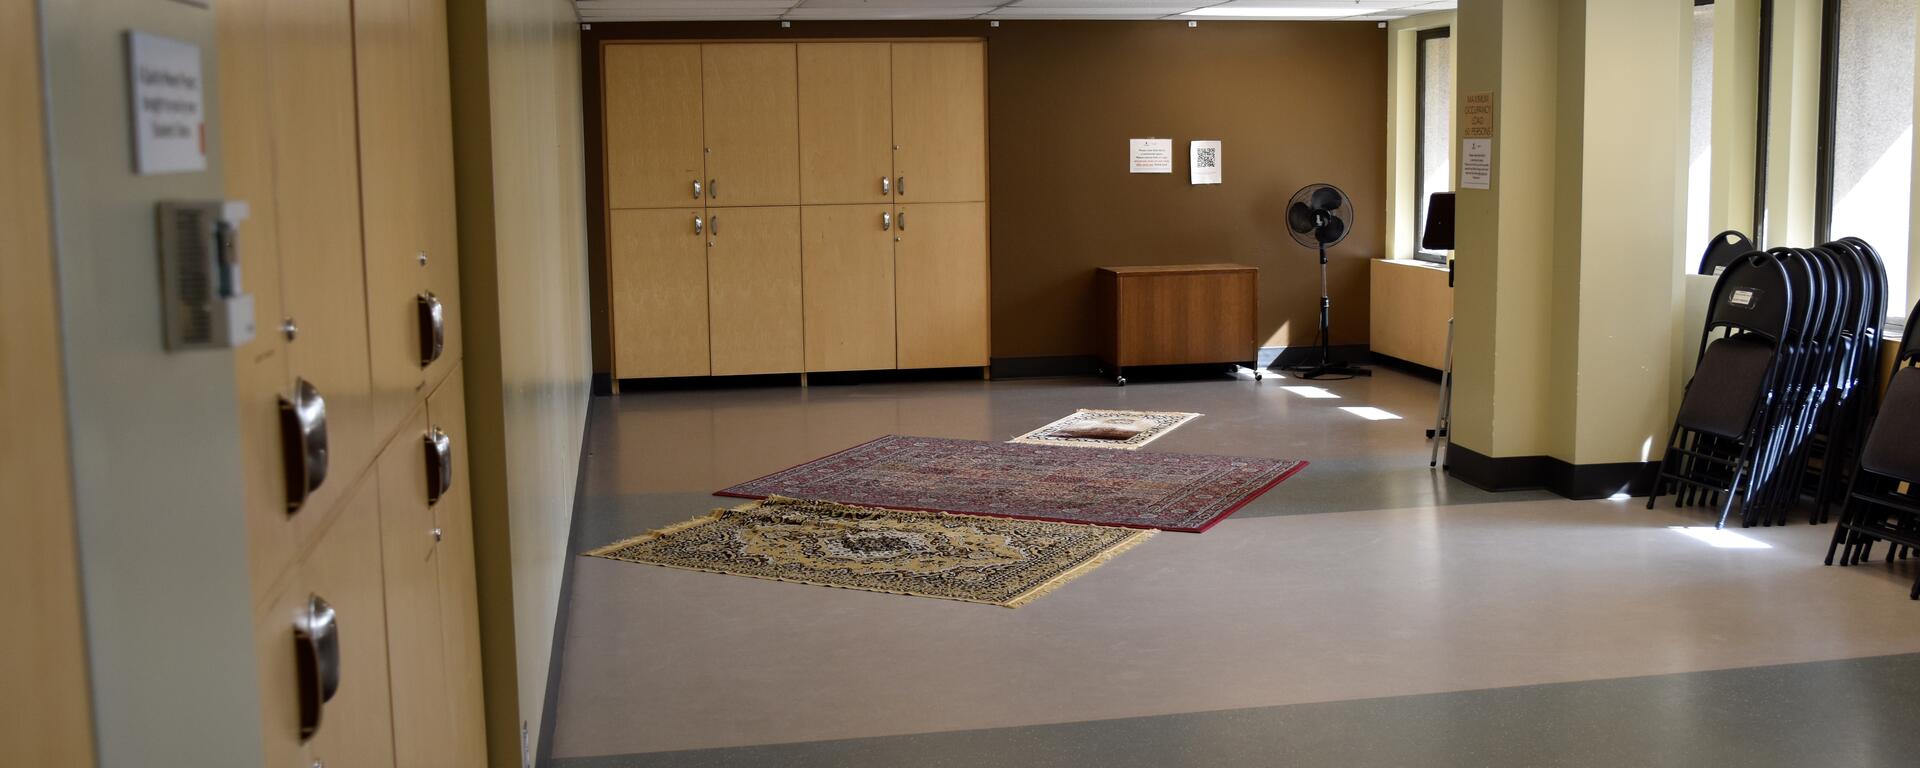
(422, 726)
(317, 201)
(941, 262)
(659, 293)
(846, 123)
(434, 189)
(940, 122)
(652, 112)
(390, 144)
(847, 276)
(279, 670)
(459, 596)
(752, 124)
(753, 290)
(356, 727)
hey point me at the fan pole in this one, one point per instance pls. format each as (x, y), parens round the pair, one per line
(1326, 366)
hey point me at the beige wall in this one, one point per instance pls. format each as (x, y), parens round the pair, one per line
(44, 717)
(524, 279)
(155, 447)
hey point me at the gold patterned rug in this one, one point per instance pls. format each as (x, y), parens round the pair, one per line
(930, 554)
(1102, 428)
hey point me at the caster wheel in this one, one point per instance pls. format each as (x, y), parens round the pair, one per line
(1257, 376)
(1119, 381)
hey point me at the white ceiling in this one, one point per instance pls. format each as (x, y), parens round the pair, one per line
(872, 10)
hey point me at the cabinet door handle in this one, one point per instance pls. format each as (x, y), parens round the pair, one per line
(713, 189)
(886, 221)
(316, 639)
(439, 464)
(433, 328)
(696, 189)
(303, 442)
(713, 224)
(698, 226)
(903, 219)
(901, 187)
(886, 186)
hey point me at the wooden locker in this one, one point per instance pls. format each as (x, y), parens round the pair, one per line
(356, 727)
(434, 193)
(940, 122)
(459, 593)
(658, 292)
(940, 264)
(846, 123)
(847, 285)
(280, 684)
(752, 124)
(653, 117)
(389, 91)
(753, 290)
(422, 724)
(316, 197)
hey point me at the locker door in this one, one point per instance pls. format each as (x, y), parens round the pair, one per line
(434, 195)
(390, 146)
(422, 726)
(658, 289)
(752, 124)
(653, 136)
(846, 123)
(847, 284)
(753, 290)
(459, 595)
(940, 122)
(940, 258)
(356, 727)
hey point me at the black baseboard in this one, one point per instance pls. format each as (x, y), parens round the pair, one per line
(1405, 366)
(1045, 367)
(1574, 481)
(1280, 357)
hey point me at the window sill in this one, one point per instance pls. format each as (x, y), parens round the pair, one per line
(1422, 263)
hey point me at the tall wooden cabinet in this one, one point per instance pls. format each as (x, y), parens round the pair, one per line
(762, 203)
(336, 118)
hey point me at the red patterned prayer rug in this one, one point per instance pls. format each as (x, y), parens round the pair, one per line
(1169, 491)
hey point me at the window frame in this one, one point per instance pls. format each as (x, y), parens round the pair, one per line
(1420, 39)
(1830, 15)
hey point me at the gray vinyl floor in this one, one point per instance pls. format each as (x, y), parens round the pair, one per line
(1367, 611)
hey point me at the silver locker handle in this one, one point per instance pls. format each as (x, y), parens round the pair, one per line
(713, 189)
(903, 219)
(698, 226)
(886, 221)
(886, 186)
(439, 464)
(901, 187)
(433, 328)
(696, 189)
(316, 638)
(303, 438)
(713, 224)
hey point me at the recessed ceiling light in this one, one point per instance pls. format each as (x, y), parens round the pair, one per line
(1264, 12)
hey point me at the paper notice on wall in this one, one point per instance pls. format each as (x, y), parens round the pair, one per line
(1150, 155)
(1204, 158)
(169, 129)
(1478, 112)
(1476, 164)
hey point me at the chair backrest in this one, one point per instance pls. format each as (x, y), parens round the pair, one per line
(1754, 295)
(1891, 449)
(1722, 250)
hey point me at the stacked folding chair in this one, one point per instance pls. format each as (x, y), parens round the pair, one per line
(1778, 393)
(1883, 496)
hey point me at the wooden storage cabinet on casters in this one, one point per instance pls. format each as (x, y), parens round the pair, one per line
(654, 144)
(940, 267)
(658, 290)
(753, 290)
(847, 284)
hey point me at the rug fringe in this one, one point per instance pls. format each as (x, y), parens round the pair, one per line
(653, 534)
(1047, 587)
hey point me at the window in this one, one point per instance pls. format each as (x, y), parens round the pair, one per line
(1433, 145)
(1866, 147)
(1700, 133)
(1763, 105)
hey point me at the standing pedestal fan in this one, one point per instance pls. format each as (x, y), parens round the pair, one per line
(1320, 216)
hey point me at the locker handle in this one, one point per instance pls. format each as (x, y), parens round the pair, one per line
(433, 328)
(886, 221)
(696, 189)
(713, 189)
(316, 638)
(903, 219)
(886, 186)
(713, 224)
(901, 186)
(439, 464)
(303, 438)
(698, 226)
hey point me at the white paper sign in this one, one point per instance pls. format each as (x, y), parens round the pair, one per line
(169, 105)
(1476, 163)
(1204, 159)
(1150, 155)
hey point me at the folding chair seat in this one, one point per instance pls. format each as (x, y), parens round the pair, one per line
(1882, 502)
(1727, 386)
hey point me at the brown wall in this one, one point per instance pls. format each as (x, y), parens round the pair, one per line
(1293, 102)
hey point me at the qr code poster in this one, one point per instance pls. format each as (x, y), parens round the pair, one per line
(1205, 160)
